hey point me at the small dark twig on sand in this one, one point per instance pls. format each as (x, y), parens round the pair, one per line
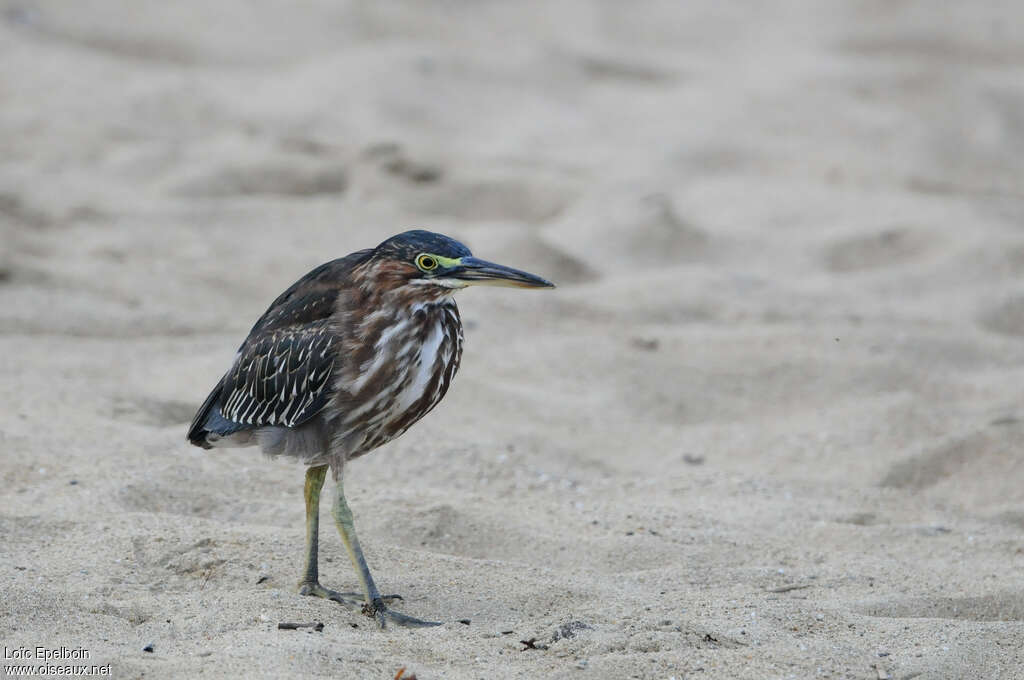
(295, 626)
(792, 586)
(531, 644)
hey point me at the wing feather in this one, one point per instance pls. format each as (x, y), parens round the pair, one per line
(266, 387)
(282, 374)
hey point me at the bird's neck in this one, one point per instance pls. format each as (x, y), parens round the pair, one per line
(383, 340)
(366, 321)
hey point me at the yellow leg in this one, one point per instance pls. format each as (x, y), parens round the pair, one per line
(314, 483)
(374, 606)
(310, 583)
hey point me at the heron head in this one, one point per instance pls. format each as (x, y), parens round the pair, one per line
(435, 261)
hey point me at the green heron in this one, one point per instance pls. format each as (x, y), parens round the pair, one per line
(345, 360)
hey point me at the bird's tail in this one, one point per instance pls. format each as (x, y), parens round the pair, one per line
(197, 431)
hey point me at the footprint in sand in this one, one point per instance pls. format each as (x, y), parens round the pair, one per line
(183, 500)
(980, 465)
(505, 199)
(158, 412)
(649, 228)
(1006, 318)
(279, 178)
(887, 248)
(934, 465)
(1001, 607)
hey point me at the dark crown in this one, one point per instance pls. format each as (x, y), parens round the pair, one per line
(408, 244)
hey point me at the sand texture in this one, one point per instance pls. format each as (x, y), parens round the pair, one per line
(769, 425)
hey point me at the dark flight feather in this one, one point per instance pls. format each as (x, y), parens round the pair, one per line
(282, 372)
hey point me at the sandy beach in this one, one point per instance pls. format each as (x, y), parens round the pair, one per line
(769, 425)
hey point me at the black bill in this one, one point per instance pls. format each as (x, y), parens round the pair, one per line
(475, 271)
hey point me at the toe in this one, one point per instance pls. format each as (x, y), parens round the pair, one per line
(385, 616)
(317, 590)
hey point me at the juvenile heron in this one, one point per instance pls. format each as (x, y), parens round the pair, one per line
(345, 360)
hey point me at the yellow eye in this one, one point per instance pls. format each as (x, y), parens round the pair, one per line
(426, 262)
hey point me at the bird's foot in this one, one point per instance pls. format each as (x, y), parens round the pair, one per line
(379, 612)
(352, 600)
